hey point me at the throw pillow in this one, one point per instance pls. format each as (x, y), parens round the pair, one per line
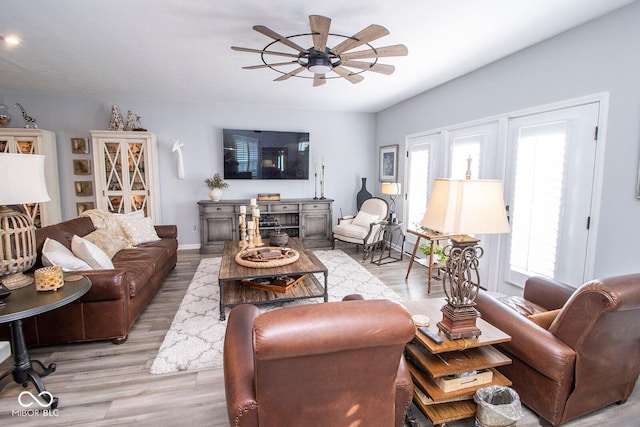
(363, 219)
(139, 230)
(109, 245)
(90, 253)
(134, 214)
(55, 253)
(545, 319)
(106, 220)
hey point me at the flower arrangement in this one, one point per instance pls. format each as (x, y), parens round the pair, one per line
(216, 182)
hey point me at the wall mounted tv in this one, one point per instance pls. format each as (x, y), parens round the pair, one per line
(261, 154)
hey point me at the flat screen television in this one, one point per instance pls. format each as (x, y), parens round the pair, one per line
(262, 154)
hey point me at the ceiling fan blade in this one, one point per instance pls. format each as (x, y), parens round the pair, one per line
(319, 80)
(291, 74)
(268, 52)
(369, 34)
(277, 64)
(343, 72)
(320, 29)
(377, 68)
(395, 50)
(282, 39)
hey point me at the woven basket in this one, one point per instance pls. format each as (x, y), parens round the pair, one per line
(289, 258)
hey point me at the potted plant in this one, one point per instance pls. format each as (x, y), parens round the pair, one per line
(438, 252)
(215, 184)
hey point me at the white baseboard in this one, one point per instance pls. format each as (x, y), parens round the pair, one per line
(190, 246)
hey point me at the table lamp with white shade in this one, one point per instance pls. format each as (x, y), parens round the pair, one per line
(392, 189)
(22, 181)
(464, 207)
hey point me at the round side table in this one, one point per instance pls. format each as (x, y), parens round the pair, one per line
(26, 302)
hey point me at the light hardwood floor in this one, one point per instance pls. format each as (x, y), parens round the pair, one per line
(102, 384)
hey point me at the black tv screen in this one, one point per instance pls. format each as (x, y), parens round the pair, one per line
(261, 154)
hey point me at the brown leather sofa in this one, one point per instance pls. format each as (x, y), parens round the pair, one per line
(320, 365)
(116, 297)
(573, 351)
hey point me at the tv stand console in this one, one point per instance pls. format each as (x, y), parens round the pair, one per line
(308, 219)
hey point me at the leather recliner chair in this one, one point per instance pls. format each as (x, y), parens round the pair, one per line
(334, 364)
(573, 351)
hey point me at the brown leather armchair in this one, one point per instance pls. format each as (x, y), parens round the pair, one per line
(332, 364)
(573, 351)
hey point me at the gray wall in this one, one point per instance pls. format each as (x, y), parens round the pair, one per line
(346, 141)
(601, 56)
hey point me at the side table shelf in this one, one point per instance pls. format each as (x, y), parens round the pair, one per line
(430, 363)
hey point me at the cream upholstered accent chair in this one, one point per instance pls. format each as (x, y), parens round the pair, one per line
(365, 228)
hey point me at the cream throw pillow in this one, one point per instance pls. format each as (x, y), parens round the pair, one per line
(106, 220)
(363, 219)
(90, 253)
(139, 230)
(105, 241)
(55, 253)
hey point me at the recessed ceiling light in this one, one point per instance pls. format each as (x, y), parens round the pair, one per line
(10, 40)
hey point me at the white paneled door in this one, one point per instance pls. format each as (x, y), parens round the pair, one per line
(549, 186)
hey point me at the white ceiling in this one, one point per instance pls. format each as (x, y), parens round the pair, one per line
(179, 50)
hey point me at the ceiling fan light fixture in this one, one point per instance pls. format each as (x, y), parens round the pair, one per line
(319, 64)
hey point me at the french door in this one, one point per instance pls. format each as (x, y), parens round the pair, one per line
(549, 180)
(419, 175)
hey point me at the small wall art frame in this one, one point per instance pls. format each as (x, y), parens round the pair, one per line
(389, 163)
(82, 167)
(79, 145)
(84, 206)
(83, 188)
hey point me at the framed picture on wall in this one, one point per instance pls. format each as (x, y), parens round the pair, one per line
(84, 188)
(82, 167)
(79, 146)
(389, 163)
(84, 206)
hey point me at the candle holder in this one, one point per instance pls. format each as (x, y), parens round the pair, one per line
(243, 231)
(322, 185)
(315, 186)
(251, 232)
(257, 239)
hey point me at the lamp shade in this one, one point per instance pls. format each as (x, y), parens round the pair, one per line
(22, 179)
(391, 188)
(466, 207)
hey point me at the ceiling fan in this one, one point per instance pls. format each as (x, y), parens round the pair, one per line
(321, 59)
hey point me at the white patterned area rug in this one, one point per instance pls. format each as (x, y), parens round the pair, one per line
(195, 338)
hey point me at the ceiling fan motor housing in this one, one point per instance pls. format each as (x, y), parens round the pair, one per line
(318, 62)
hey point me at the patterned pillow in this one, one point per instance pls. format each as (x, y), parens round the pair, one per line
(103, 239)
(106, 220)
(139, 230)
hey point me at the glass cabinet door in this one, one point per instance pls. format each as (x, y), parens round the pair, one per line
(126, 179)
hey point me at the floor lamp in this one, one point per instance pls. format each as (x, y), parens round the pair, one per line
(22, 181)
(392, 189)
(463, 207)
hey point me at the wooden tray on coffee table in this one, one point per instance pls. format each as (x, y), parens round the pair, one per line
(281, 284)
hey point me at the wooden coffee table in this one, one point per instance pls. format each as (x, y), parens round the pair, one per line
(233, 292)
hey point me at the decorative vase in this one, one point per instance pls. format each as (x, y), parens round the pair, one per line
(363, 194)
(215, 194)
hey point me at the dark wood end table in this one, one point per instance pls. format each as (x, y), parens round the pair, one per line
(26, 302)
